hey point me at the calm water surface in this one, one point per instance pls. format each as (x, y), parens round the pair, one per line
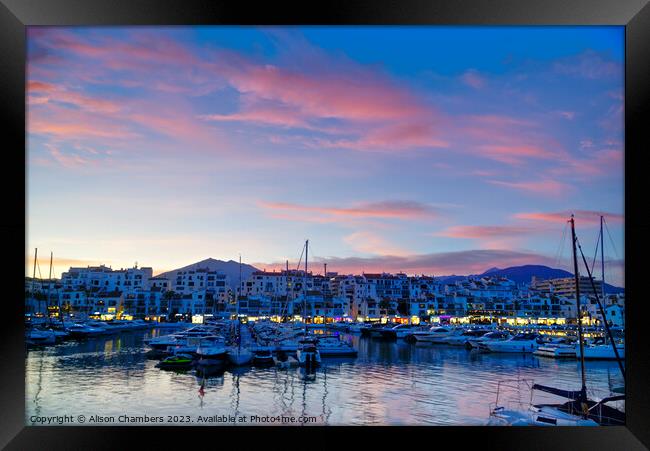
(389, 383)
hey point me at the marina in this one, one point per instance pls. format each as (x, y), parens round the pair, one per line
(388, 381)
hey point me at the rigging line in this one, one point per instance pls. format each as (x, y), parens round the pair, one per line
(593, 262)
(560, 248)
(610, 239)
(302, 252)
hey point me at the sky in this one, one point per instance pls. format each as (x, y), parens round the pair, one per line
(427, 150)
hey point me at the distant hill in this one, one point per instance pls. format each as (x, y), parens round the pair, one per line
(230, 268)
(525, 273)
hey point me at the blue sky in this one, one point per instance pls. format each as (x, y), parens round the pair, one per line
(449, 149)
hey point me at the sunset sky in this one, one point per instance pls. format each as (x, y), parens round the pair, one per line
(437, 150)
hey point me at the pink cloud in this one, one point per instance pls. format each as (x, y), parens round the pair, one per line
(589, 217)
(514, 154)
(40, 92)
(544, 187)
(481, 232)
(384, 210)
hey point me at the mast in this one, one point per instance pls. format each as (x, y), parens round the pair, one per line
(602, 258)
(304, 299)
(49, 282)
(583, 390)
(34, 273)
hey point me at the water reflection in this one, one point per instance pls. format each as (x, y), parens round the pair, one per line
(388, 383)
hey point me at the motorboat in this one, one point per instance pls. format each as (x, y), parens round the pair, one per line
(162, 343)
(464, 338)
(335, 347)
(601, 351)
(526, 342)
(495, 335)
(371, 329)
(308, 354)
(78, 330)
(398, 331)
(176, 362)
(435, 334)
(558, 348)
(210, 350)
(41, 337)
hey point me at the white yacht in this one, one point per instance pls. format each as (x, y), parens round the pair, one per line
(335, 347)
(490, 336)
(558, 348)
(601, 352)
(435, 334)
(526, 342)
(464, 338)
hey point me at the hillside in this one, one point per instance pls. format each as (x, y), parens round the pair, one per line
(230, 268)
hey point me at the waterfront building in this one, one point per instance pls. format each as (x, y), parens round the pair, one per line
(566, 286)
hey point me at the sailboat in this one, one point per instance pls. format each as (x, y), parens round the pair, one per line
(602, 350)
(579, 410)
(236, 354)
(307, 353)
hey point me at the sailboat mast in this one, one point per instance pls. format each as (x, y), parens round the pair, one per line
(34, 273)
(579, 315)
(602, 259)
(305, 283)
(49, 281)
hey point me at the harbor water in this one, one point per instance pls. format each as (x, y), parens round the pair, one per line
(111, 381)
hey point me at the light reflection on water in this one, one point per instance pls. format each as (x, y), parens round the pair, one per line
(390, 383)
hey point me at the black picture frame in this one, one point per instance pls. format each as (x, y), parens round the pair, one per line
(15, 15)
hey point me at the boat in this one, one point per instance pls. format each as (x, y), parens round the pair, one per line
(41, 337)
(356, 328)
(162, 343)
(398, 331)
(579, 410)
(495, 335)
(525, 342)
(561, 348)
(239, 356)
(371, 329)
(435, 334)
(78, 330)
(176, 362)
(308, 354)
(210, 350)
(263, 356)
(335, 347)
(464, 338)
(601, 352)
